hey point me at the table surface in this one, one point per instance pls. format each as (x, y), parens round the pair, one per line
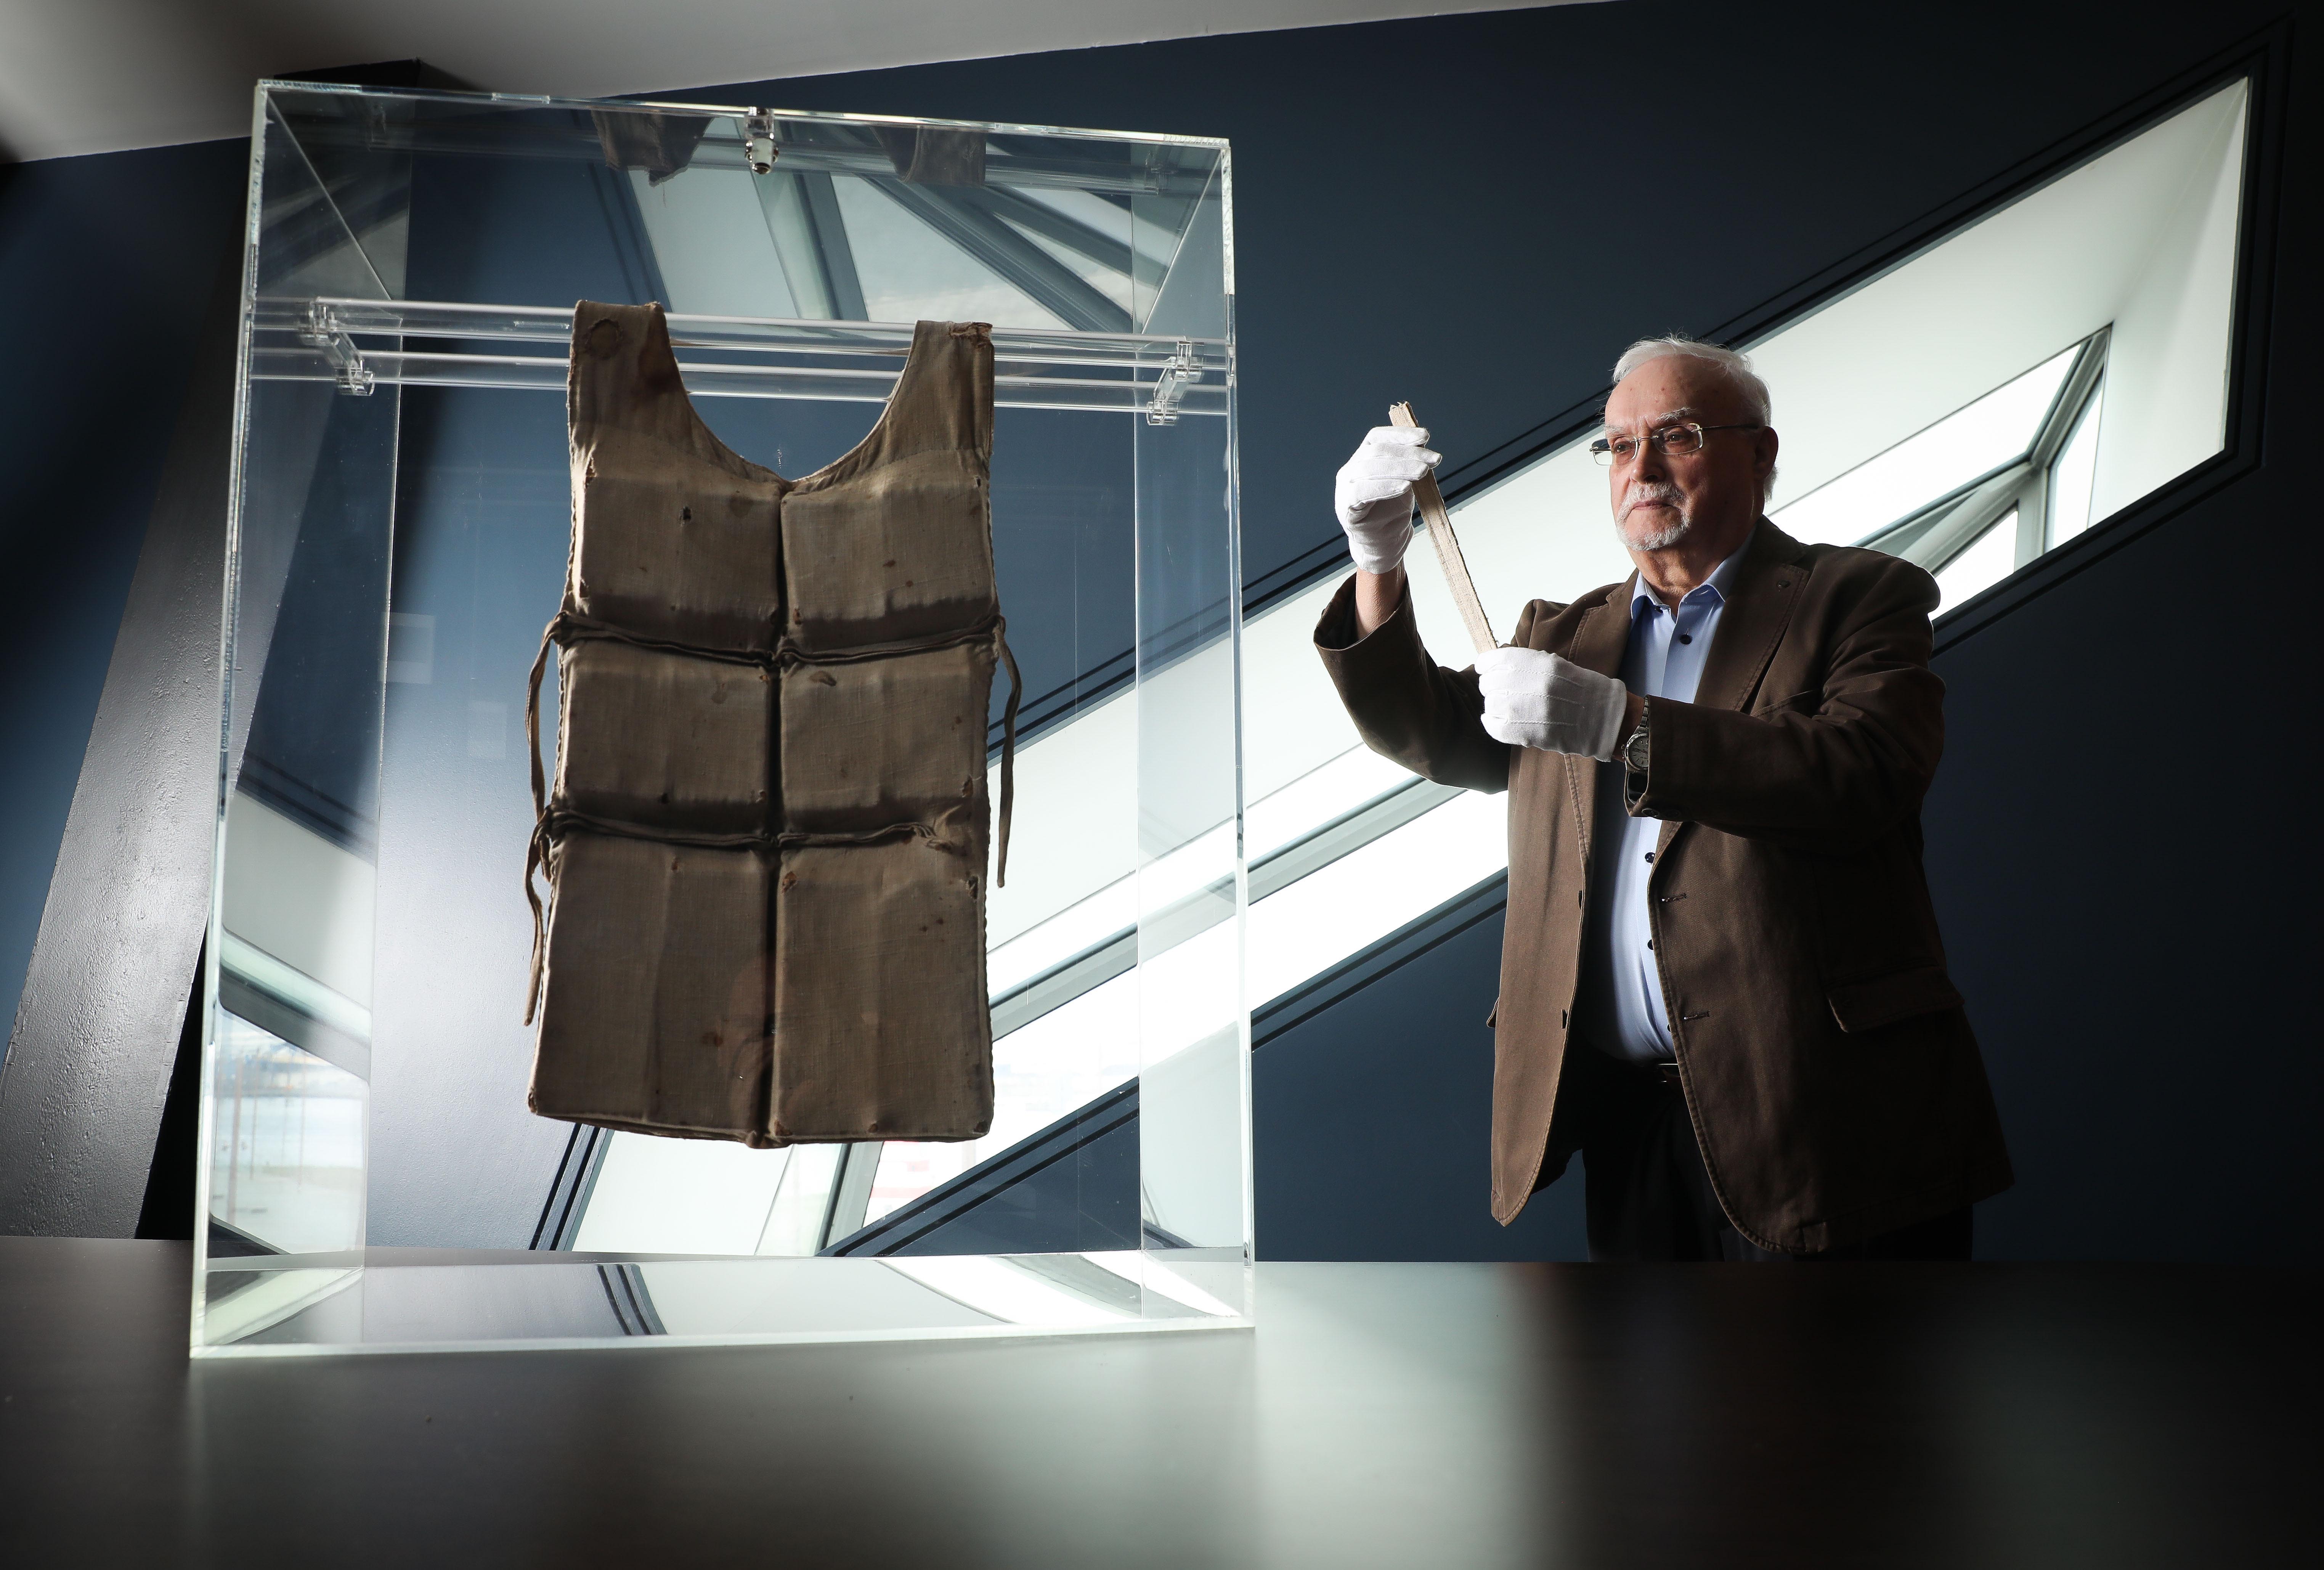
(1380, 1415)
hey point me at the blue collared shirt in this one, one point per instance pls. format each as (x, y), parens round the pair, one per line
(1621, 1006)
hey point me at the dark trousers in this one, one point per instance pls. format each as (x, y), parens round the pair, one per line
(1648, 1196)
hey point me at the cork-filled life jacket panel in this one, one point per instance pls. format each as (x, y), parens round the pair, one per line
(766, 838)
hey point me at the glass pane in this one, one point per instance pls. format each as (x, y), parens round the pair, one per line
(1965, 445)
(1987, 561)
(2071, 477)
(287, 1172)
(404, 521)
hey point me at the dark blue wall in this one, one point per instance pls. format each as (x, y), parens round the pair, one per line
(1453, 210)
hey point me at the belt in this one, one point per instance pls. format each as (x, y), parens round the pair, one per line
(1667, 1072)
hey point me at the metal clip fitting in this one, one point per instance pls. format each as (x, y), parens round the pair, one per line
(1179, 372)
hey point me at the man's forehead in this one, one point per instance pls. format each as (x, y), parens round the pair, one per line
(1651, 419)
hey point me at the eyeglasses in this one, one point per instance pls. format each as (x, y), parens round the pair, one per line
(1669, 440)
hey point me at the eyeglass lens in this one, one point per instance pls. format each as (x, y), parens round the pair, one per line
(1669, 439)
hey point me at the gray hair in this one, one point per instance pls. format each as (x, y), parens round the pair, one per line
(1732, 364)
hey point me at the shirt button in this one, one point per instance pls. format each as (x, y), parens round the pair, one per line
(1686, 637)
(1650, 855)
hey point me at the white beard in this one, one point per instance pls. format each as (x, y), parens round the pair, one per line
(1662, 538)
(1657, 540)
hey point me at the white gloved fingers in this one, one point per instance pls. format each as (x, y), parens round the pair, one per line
(1511, 731)
(1372, 494)
(1537, 699)
(1501, 669)
(1392, 436)
(1515, 681)
(1402, 467)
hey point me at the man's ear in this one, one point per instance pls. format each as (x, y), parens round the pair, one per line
(1763, 452)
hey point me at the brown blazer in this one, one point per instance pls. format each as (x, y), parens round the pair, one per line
(1835, 1088)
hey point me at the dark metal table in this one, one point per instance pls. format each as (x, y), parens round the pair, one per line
(1382, 1415)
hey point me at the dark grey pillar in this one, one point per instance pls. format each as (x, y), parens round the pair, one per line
(98, 1026)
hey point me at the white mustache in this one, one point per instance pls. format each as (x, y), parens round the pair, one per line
(1651, 491)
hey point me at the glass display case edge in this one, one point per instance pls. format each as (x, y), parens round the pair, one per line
(369, 1175)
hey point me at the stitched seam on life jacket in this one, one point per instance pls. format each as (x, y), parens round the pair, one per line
(551, 824)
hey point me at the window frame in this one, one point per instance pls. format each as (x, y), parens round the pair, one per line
(1937, 534)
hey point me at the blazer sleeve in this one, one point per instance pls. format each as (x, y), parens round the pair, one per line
(1833, 767)
(1405, 705)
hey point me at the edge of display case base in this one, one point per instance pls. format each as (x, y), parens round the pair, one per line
(443, 1300)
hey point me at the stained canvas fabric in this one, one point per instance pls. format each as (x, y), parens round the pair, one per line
(766, 837)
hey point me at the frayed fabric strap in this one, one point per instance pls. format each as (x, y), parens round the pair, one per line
(1008, 750)
(536, 843)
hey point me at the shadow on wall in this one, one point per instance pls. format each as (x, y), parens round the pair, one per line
(108, 261)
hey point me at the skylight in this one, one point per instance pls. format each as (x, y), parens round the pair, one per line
(1965, 445)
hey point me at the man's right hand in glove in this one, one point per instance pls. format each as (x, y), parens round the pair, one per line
(1373, 498)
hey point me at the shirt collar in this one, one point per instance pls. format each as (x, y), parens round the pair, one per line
(1712, 590)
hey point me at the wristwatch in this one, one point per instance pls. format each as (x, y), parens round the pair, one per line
(1633, 751)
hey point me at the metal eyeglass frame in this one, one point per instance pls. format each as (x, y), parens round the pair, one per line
(1602, 453)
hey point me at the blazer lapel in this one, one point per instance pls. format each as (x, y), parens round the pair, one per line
(1764, 591)
(1759, 604)
(1600, 639)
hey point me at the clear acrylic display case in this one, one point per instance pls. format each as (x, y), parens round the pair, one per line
(372, 1179)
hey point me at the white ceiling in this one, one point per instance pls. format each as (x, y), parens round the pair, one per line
(97, 76)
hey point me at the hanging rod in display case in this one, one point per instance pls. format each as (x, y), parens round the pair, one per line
(324, 338)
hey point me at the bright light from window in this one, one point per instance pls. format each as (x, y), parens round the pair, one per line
(1159, 1279)
(1337, 788)
(1985, 563)
(1075, 929)
(681, 1196)
(1355, 901)
(1009, 1292)
(1966, 444)
(1067, 1057)
(1084, 1049)
(2071, 478)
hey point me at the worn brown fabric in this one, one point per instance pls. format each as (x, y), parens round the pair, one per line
(766, 837)
(1828, 1069)
(658, 1012)
(933, 155)
(665, 739)
(879, 952)
(870, 742)
(660, 142)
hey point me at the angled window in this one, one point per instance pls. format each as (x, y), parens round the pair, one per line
(2043, 366)
(2008, 388)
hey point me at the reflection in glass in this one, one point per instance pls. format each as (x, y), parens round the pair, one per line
(286, 1169)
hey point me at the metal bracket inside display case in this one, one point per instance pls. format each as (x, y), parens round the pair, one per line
(1179, 372)
(315, 339)
(323, 332)
(759, 149)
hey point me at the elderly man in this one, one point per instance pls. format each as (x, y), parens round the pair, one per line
(1721, 981)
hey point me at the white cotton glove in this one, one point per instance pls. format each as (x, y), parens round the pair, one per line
(1373, 493)
(1534, 699)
